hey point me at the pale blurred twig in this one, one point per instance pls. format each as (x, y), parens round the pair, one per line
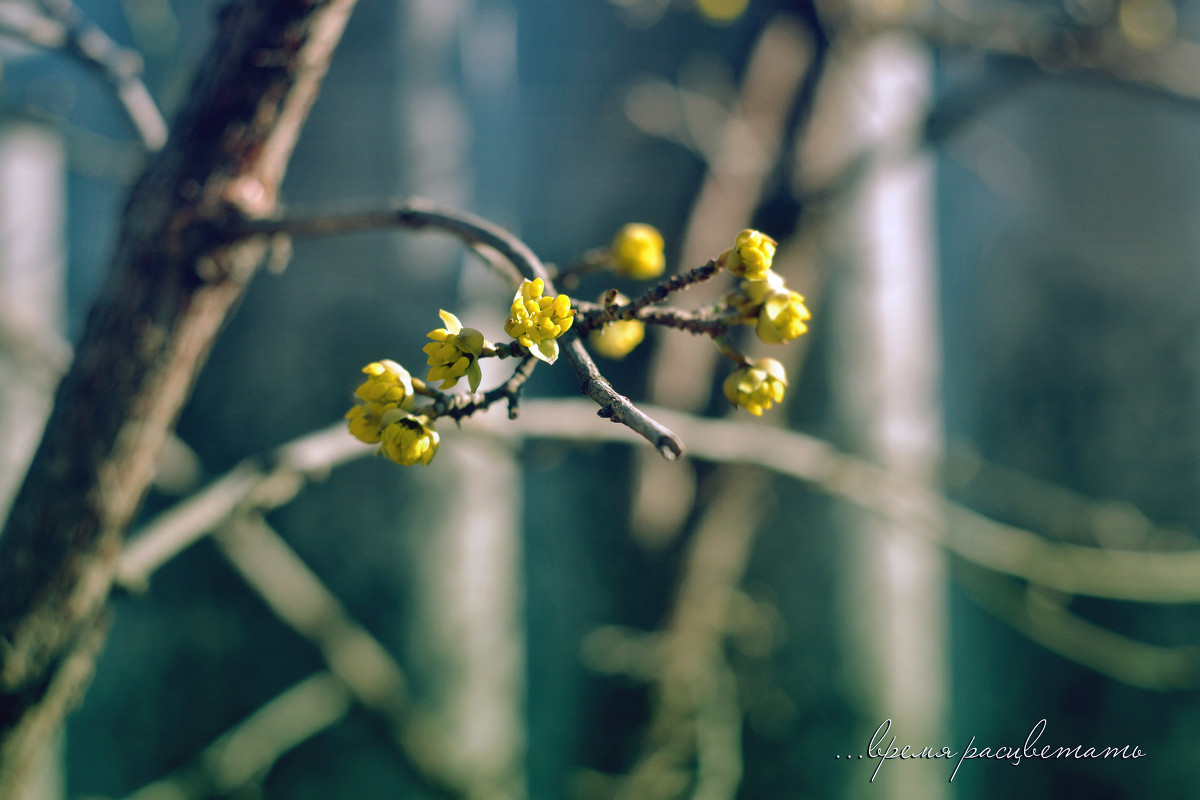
(1043, 620)
(695, 713)
(300, 600)
(63, 28)
(255, 484)
(1063, 48)
(246, 752)
(1151, 577)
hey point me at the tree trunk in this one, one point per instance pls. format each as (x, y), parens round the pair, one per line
(175, 278)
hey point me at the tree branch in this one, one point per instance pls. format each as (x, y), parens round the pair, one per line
(173, 282)
(475, 231)
(70, 33)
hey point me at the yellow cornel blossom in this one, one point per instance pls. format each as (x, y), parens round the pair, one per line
(454, 352)
(409, 440)
(637, 252)
(782, 317)
(536, 321)
(388, 386)
(387, 383)
(382, 419)
(617, 339)
(780, 312)
(758, 386)
(751, 255)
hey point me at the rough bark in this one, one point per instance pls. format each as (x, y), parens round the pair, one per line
(174, 279)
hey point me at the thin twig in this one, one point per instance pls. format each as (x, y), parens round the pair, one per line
(597, 316)
(704, 322)
(617, 407)
(458, 406)
(671, 285)
(415, 213)
(67, 31)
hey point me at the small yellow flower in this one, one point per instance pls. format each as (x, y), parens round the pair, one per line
(778, 312)
(617, 339)
(387, 383)
(409, 439)
(758, 386)
(782, 317)
(387, 389)
(536, 321)
(454, 352)
(637, 252)
(751, 255)
(366, 421)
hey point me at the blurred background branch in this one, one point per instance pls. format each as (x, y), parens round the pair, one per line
(61, 26)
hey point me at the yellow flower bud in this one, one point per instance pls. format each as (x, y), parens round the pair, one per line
(758, 386)
(387, 383)
(637, 252)
(782, 317)
(454, 352)
(409, 440)
(751, 255)
(617, 339)
(387, 389)
(536, 321)
(365, 421)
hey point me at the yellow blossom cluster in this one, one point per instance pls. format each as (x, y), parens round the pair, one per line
(751, 255)
(409, 440)
(537, 321)
(779, 313)
(756, 386)
(454, 352)
(383, 417)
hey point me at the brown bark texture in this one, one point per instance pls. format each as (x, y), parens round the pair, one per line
(176, 275)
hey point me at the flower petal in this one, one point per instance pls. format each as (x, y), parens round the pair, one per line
(450, 321)
(474, 375)
(546, 350)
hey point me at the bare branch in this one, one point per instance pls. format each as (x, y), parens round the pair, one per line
(701, 323)
(415, 213)
(617, 407)
(69, 32)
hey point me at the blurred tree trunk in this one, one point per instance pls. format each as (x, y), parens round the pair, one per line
(467, 639)
(888, 396)
(32, 348)
(175, 278)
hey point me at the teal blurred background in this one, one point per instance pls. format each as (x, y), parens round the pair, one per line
(1000, 257)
